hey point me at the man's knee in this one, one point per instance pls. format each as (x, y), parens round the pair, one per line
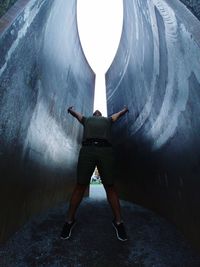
(109, 187)
(81, 187)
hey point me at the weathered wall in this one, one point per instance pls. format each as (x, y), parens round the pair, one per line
(42, 72)
(156, 74)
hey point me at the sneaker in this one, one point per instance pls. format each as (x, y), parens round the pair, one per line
(67, 229)
(120, 231)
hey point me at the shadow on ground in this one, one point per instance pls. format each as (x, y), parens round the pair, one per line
(152, 240)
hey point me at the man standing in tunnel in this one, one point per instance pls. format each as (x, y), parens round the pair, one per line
(97, 151)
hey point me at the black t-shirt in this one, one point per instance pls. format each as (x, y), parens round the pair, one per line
(97, 127)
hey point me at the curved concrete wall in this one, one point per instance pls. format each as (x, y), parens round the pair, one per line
(156, 74)
(42, 72)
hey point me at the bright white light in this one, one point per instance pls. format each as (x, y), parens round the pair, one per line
(100, 25)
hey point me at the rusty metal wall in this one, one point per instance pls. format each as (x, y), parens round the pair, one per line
(43, 71)
(156, 74)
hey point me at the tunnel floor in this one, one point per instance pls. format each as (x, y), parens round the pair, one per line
(152, 240)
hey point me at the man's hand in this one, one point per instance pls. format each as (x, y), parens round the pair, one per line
(117, 115)
(126, 109)
(75, 114)
(69, 109)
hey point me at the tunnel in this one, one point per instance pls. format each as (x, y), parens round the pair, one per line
(155, 73)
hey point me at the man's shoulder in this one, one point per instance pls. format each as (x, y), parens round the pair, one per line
(83, 120)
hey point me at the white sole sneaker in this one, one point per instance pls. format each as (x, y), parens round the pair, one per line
(67, 237)
(118, 234)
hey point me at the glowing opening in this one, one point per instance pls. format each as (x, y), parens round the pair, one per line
(100, 26)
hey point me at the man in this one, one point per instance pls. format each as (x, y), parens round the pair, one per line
(97, 151)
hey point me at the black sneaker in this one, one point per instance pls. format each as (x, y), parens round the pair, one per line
(120, 231)
(67, 229)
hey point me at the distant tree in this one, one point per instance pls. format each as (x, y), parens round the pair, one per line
(194, 6)
(5, 5)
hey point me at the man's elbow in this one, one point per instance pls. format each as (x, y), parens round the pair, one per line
(80, 119)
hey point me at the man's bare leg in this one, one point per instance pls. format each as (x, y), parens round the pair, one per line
(75, 201)
(113, 199)
(76, 198)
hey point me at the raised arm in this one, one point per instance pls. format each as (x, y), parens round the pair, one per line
(117, 115)
(75, 114)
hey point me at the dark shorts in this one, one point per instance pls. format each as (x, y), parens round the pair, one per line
(91, 157)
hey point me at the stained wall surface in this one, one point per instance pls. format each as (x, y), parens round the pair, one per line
(42, 72)
(156, 74)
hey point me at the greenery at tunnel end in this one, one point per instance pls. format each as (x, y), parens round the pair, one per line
(5, 5)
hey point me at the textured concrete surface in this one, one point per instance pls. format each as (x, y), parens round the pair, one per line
(152, 240)
(156, 74)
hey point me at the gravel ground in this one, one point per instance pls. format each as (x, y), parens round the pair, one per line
(152, 240)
